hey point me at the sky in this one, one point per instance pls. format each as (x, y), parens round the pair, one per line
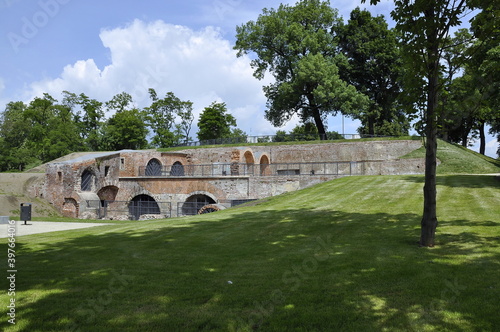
(102, 48)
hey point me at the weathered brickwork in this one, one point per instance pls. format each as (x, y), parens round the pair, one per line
(144, 184)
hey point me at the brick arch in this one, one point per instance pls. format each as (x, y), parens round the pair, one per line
(248, 157)
(264, 162)
(108, 193)
(196, 201)
(143, 204)
(70, 208)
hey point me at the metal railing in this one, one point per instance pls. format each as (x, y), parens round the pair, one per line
(131, 209)
(194, 208)
(279, 169)
(275, 138)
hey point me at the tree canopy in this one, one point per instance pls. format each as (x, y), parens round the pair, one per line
(424, 28)
(298, 45)
(374, 67)
(215, 122)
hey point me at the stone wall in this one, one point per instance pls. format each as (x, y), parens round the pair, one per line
(116, 176)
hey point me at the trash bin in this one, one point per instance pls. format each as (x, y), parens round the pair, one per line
(25, 212)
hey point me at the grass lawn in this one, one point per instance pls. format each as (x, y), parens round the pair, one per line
(340, 256)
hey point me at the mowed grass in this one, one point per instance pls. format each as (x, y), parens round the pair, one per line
(340, 256)
(455, 159)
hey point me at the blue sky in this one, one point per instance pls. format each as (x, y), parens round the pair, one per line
(102, 48)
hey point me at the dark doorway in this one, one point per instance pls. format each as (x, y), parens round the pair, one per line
(143, 204)
(194, 203)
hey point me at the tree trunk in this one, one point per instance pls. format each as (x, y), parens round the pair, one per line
(482, 138)
(319, 123)
(429, 219)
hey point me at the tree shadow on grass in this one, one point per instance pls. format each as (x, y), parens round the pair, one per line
(291, 270)
(465, 181)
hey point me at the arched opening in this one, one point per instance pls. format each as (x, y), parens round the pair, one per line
(177, 169)
(265, 170)
(194, 203)
(250, 161)
(87, 180)
(153, 167)
(143, 204)
(70, 208)
(107, 195)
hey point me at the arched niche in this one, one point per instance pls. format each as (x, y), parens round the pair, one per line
(177, 169)
(87, 180)
(265, 169)
(153, 168)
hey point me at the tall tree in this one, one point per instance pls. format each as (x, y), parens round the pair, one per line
(90, 119)
(14, 131)
(52, 129)
(425, 26)
(119, 102)
(374, 68)
(162, 115)
(298, 45)
(215, 122)
(126, 130)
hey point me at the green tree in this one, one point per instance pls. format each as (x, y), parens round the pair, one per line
(215, 122)
(424, 27)
(162, 115)
(298, 45)
(126, 130)
(374, 68)
(90, 119)
(119, 102)
(14, 132)
(52, 129)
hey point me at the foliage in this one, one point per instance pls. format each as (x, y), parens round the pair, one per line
(89, 119)
(36, 133)
(125, 130)
(304, 132)
(161, 116)
(215, 122)
(424, 28)
(374, 67)
(298, 45)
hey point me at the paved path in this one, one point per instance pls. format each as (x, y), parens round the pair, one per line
(36, 227)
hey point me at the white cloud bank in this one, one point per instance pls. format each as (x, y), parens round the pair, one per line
(199, 66)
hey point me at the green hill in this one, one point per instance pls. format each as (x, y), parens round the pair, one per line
(340, 256)
(456, 159)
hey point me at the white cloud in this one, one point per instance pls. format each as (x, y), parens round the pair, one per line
(199, 66)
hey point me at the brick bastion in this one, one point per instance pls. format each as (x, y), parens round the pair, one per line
(151, 184)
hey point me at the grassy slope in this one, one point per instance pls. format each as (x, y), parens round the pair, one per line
(456, 159)
(338, 256)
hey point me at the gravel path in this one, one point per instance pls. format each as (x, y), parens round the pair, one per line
(36, 227)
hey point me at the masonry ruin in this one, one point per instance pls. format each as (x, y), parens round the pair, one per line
(149, 184)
